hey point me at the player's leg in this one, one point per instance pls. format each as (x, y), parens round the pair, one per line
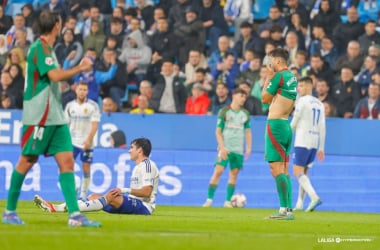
(61, 148)
(236, 163)
(48, 206)
(214, 181)
(24, 164)
(86, 157)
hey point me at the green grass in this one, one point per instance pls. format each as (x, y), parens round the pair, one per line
(192, 228)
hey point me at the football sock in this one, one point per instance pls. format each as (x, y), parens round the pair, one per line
(14, 191)
(85, 183)
(301, 196)
(304, 181)
(290, 200)
(92, 205)
(282, 189)
(60, 207)
(230, 191)
(211, 191)
(68, 189)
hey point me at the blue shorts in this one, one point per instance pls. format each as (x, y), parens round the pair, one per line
(130, 206)
(85, 156)
(303, 156)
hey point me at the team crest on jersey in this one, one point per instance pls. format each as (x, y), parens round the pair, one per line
(49, 61)
(85, 111)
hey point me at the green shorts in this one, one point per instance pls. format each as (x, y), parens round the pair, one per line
(47, 140)
(235, 160)
(278, 140)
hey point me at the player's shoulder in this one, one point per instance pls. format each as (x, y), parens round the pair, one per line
(148, 165)
(224, 110)
(93, 103)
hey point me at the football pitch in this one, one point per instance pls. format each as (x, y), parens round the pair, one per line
(174, 227)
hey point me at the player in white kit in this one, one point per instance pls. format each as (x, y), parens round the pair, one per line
(139, 198)
(309, 125)
(83, 117)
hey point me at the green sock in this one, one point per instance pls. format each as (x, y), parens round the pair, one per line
(14, 191)
(282, 189)
(290, 200)
(68, 189)
(230, 191)
(211, 191)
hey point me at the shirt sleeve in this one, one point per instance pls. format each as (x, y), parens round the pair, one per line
(274, 84)
(45, 60)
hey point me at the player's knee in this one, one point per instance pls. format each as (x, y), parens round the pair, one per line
(31, 159)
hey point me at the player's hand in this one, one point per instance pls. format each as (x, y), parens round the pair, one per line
(86, 144)
(223, 153)
(86, 63)
(115, 192)
(270, 71)
(247, 154)
(320, 155)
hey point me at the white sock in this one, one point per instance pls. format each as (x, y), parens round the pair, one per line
(301, 196)
(282, 210)
(85, 184)
(60, 207)
(92, 205)
(304, 181)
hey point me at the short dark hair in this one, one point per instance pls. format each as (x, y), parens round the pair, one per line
(280, 52)
(239, 91)
(144, 144)
(201, 70)
(47, 20)
(306, 79)
(246, 24)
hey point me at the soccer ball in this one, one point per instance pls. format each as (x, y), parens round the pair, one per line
(238, 200)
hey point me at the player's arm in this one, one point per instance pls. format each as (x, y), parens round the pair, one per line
(322, 136)
(145, 191)
(90, 137)
(270, 87)
(248, 142)
(57, 75)
(297, 115)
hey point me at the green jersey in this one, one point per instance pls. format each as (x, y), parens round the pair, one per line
(42, 97)
(283, 83)
(233, 125)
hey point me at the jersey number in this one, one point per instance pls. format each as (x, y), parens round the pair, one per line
(316, 114)
(38, 133)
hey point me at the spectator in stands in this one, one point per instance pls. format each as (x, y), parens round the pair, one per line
(252, 73)
(116, 30)
(137, 57)
(28, 12)
(118, 139)
(18, 22)
(109, 106)
(198, 103)
(327, 16)
(275, 18)
(104, 7)
(294, 6)
(145, 10)
(316, 43)
(275, 36)
(247, 40)
(115, 87)
(211, 14)
(365, 76)
(353, 58)
(301, 63)
(191, 35)
(20, 40)
(3, 50)
(163, 43)
(75, 6)
(95, 16)
(369, 106)
(56, 6)
(292, 45)
(177, 12)
(341, 6)
(320, 69)
(6, 88)
(371, 36)
(329, 51)
(71, 23)
(18, 79)
(330, 109)
(217, 56)
(93, 77)
(95, 39)
(118, 12)
(169, 93)
(226, 71)
(68, 49)
(67, 94)
(236, 12)
(257, 88)
(252, 104)
(196, 61)
(301, 29)
(129, 14)
(374, 50)
(5, 21)
(221, 98)
(6, 101)
(346, 93)
(158, 14)
(343, 33)
(111, 43)
(15, 56)
(142, 106)
(322, 91)
(145, 89)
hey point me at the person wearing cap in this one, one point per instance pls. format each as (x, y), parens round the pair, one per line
(199, 102)
(192, 35)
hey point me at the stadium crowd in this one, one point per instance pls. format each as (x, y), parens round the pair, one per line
(187, 56)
